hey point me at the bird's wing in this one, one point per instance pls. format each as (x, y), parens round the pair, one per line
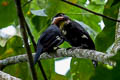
(80, 28)
(49, 39)
(53, 38)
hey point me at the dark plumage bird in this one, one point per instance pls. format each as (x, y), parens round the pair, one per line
(74, 33)
(49, 39)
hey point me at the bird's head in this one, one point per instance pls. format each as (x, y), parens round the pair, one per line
(60, 19)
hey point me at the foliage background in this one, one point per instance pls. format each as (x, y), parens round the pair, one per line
(38, 15)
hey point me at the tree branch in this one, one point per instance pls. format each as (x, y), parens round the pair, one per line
(5, 76)
(77, 53)
(25, 38)
(107, 17)
(116, 46)
(30, 34)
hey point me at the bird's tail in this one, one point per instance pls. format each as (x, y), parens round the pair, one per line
(38, 53)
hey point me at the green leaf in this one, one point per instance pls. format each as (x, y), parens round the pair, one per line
(49, 68)
(87, 18)
(62, 58)
(68, 75)
(81, 2)
(14, 42)
(98, 1)
(96, 6)
(91, 32)
(65, 45)
(26, 7)
(13, 47)
(115, 2)
(104, 73)
(20, 70)
(106, 38)
(92, 21)
(7, 12)
(58, 77)
(38, 4)
(81, 69)
(40, 23)
(52, 9)
(116, 57)
(2, 50)
(38, 12)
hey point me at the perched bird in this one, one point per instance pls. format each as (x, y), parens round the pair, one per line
(74, 33)
(48, 40)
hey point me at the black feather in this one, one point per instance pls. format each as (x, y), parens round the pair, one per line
(48, 40)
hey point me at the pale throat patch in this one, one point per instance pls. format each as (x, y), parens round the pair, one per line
(84, 36)
(64, 32)
(58, 38)
(55, 48)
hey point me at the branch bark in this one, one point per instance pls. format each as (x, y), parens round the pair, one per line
(5, 76)
(116, 46)
(77, 53)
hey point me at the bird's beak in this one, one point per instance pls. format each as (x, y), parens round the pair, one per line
(60, 21)
(57, 19)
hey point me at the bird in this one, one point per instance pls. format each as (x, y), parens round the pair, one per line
(74, 33)
(48, 41)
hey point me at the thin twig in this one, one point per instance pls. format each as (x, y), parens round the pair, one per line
(35, 46)
(25, 38)
(34, 43)
(42, 70)
(27, 3)
(30, 34)
(77, 13)
(107, 17)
